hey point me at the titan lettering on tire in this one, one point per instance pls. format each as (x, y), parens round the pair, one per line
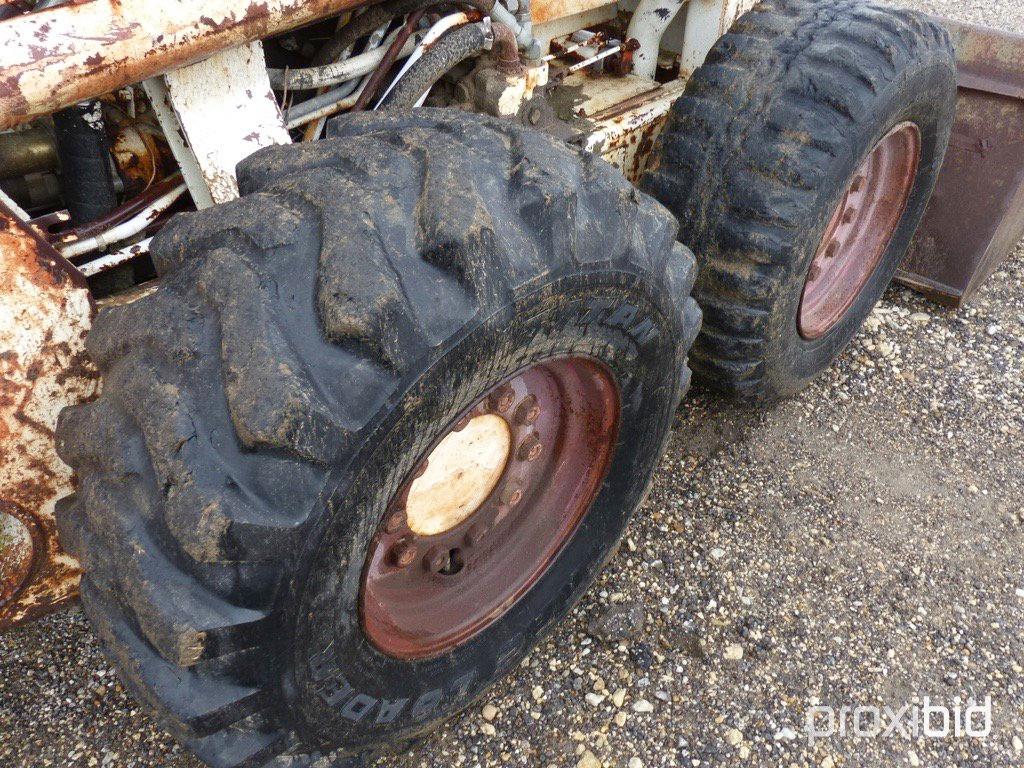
(799, 162)
(321, 438)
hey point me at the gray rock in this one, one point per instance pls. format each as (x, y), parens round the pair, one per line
(620, 623)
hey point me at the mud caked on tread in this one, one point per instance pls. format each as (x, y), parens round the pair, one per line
(304, 345)
(758, 154)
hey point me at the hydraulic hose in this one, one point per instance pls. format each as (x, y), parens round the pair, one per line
(448, 52)
(374, 81)
(84, 153)
(376, 15)
(332, 74)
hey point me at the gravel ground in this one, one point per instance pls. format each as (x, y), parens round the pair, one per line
(861, 544)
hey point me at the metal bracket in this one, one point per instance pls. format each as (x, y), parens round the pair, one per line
(215, 114)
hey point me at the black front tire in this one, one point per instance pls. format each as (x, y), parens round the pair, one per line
(304, 346)
(759, 151)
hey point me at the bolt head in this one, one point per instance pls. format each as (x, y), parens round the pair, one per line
(511, 496)
(501, 399)
(394, 521)
(530, 449)
(528, 411)
(402, 554)
(435, 559)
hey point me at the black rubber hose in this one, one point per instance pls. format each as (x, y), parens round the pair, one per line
(448, 52)
(374, 17)
(84, 152)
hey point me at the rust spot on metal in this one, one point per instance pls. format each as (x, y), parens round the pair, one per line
(257, 11)
(43, 368)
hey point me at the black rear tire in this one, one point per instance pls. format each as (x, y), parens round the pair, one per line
(305, 344)
(758, 153)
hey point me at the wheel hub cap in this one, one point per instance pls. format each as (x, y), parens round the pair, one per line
(461, 472)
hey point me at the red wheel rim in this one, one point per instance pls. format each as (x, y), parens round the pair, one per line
(456, 550)
(860, 230)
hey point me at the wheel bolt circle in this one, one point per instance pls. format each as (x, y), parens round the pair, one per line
(501, 399)
(528, 411)
(402, 554)
(530, 449)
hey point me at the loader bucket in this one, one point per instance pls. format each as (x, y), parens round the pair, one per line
(976, 217)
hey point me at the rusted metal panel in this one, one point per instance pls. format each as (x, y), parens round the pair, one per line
(976, 217)
(45, 312)
(544, 11)
(223, 111)
(73, 52)
(624, 134)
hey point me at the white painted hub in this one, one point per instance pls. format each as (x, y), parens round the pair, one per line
(461, 472)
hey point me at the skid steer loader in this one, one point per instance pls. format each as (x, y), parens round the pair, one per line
(339, 341)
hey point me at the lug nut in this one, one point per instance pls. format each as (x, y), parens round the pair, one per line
(501, 399)
(475, 534)
(530, 449)
(394, 521)
(511, 496)
(402, 554)
(528, 411)
(436, 559)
